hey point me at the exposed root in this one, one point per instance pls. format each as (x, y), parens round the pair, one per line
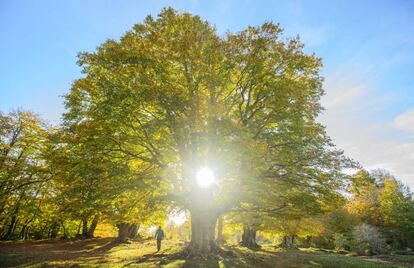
(253, 246)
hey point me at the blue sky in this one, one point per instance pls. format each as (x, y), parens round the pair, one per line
(367, 49)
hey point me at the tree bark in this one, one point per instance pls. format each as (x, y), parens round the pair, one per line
(26, 233)
(14, 220)
(12, 226)
(249, 237)
(203, 225)
(219, 238)
(123, 231)
(54, 230)
(288, 241)
(126, 231)
(133, 231)
(79, 228)
(23, 232)
(65, 235)
(84, 227)
(92, 228)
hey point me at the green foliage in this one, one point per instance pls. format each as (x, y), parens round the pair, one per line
(173, 96)
(340, 241)
(382, 201)
(24, 176)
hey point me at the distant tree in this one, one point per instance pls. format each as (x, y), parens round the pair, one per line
(91, 184)
(23, 172)
(397, 207)
(134, 208)
(365, 198)
(382, 201)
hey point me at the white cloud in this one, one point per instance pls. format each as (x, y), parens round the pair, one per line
(405, 121)
(342, 89)
(355, 119)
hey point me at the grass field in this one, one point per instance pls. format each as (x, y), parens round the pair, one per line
(105, 252)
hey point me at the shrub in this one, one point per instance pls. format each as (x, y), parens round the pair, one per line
(341, 242)
(367, 240)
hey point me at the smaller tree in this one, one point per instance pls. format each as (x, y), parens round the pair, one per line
(341, 242)
(24, 173)
(132, 209)
(368, 240)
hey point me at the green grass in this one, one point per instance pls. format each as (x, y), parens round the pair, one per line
(105, 252)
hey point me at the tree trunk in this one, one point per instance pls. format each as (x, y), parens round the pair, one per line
(133, 231)
(65, 235)
(127, 230)
(23, 232)
(203, 225)
(123, 231)
(26, 233)
(288, 241)
(14, 220)
(92, 228)
(79, 228)
(219, 238)
(84, 227)
(12, 226)
(54, 230)
(249, 237)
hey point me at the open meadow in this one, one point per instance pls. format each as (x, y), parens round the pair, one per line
(106, 252)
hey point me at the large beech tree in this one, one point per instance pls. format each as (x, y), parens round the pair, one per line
(175, 96)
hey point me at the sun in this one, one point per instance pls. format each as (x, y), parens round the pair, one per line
(205, 177)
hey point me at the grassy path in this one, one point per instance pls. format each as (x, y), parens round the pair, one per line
(105, 252)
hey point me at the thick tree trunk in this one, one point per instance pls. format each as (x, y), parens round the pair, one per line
(123, 231)
(249, 237)
(203, 225)
(92, 228)
(126, 231)
(133, 231)
(219, 238)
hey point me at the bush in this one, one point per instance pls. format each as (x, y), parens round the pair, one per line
(341, 242)
(368, 240)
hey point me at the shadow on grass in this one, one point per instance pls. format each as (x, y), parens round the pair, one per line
(151, 257)
(39, 252)
(222, 258)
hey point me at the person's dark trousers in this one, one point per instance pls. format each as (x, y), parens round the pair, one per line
(158, 244)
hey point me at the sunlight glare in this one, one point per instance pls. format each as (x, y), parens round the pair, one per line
(152, 229)
(178, 219)
(205, 177)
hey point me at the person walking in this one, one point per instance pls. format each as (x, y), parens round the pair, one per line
(159, 235)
